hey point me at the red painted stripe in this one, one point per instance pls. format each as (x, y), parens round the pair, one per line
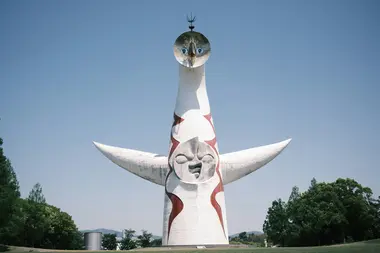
(177, 207)
(208, 117)
(175, 144)
(218, 188)
(177, 204)
(177, 120)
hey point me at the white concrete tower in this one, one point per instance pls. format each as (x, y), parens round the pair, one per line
(194, 172)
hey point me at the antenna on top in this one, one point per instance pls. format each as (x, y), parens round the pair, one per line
(191, 20)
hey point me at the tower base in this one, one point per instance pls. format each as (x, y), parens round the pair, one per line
(184, 247)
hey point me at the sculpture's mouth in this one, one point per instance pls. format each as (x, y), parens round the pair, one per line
(195, 169)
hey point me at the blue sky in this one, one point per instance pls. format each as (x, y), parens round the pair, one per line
(76, 71)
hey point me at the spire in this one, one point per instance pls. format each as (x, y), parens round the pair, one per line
(191, 20)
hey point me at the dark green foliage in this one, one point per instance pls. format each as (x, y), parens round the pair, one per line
(37, 222)
(109, 242)
(9, 189)
(249, 239)
(35, 195)
(13, 232)
(127, 242)
(327, 213)
(4, 248)
(156, 243)
(277, 227)
(243, 236)
(144, 239)
(42, 226)
(62, 232)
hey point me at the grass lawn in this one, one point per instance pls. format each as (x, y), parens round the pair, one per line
(372, 246)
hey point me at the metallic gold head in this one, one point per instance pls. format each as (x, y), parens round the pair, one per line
(192, 49)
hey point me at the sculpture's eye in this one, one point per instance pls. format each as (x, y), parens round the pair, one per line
(181, 159)
(184, 50)
(199, 50)
(207, 159)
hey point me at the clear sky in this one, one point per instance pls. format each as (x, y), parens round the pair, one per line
(76, 71)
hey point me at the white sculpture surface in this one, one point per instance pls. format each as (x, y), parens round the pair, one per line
(194, 172)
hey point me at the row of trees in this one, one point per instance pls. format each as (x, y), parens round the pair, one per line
(144, 240)
(325, 214)
(32, 222)
(249, 239)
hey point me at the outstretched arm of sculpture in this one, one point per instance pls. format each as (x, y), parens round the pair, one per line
(149, 166)
(238, 164)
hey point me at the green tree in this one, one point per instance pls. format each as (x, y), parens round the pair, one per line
(320, 214)
(293, 228)
(257, 239)
(156, 242)
(127, 242)
(243, 236)
(358, 211)
(109, 242)
(36, 195)
(62, 232)
(375, 211)
(144, 239)
(13, 232)
(327, 213)
(295, 194)
(276, 223)
(313, 183)
(9, 191)
(37, 223)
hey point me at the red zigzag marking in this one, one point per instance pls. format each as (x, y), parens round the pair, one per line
(177, 204)
(218, 188)
(177, 120)
(177, 207)
(175, 143)
(208, 117)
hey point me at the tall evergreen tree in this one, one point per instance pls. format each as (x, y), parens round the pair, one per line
(9, 192)
(36, 195)
(37, 222)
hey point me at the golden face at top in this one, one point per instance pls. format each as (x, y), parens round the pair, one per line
(192, 49)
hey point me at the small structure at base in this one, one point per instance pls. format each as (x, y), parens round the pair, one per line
(93, 240)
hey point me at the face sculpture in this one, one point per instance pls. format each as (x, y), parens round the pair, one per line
(194, 161)
(192, 49)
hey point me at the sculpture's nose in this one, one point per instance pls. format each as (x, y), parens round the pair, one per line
(192, 49)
